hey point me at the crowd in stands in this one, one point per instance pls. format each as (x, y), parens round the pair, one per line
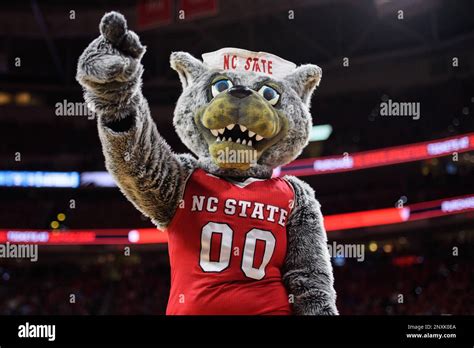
(107, 284)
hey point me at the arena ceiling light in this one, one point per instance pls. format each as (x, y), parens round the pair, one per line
(14, 178)
(320, 132)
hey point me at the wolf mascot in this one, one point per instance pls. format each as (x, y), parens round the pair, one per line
(240, 241)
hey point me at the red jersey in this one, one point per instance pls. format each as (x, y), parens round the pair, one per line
(227, 245)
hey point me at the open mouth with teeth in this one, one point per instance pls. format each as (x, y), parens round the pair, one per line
(238, 134)
(235, 145)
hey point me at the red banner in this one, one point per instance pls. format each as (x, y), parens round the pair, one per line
(197, 8)
(154, 13)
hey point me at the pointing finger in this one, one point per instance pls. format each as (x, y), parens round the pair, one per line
(113, 27)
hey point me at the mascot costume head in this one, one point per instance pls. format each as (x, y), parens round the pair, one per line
(254, 106)
(240, 241)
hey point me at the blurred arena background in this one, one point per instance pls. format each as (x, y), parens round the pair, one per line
(409, 200)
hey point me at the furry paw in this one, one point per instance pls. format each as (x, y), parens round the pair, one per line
(113, 26)
(113, 57)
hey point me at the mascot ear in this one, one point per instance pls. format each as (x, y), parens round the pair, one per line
(189, 68)
(304, 80)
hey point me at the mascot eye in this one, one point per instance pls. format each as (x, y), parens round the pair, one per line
(270, 94)
(220, 86)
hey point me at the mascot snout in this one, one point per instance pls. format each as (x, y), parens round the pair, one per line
(239, 125)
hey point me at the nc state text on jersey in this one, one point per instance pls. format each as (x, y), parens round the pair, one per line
(242, 208)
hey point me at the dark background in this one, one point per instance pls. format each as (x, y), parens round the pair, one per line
(405, 60)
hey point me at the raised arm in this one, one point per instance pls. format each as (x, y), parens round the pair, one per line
(307, 272)
(150, 175)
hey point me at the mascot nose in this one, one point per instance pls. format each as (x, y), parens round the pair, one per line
(240, 91)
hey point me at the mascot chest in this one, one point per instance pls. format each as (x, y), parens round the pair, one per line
(229, 237)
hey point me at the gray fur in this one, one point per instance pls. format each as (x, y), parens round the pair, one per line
(308, 272)
(304, 81)
(153, 178)
(146, 170)
(113, 26)
(189, 69)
